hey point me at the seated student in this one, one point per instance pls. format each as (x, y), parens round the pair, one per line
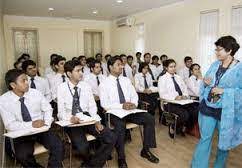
(104, 65)
(163, 57)
(94, 79)
(147, 58)
(83, 63)
(155, 67)
(194, 81)
(172, 87)
(184, 72)
(144, 86)
(138, 60)
(51, 68)
(130, 63)
(163, 71)
(117, 92)
(127, 70)
(35, 81)
(22, 108)
(18, 65)
(75, 103)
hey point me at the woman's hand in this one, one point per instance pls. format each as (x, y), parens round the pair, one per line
(207, 81)
(217, 91)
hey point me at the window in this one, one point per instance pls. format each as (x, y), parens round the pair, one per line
(92, 43)
(207, 36)
(25, 41)
(140, 40)
(236, 28)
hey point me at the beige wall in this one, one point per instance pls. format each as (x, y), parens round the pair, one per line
(173, 29)
(55, 35)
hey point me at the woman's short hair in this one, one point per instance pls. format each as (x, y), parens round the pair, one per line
(142, 65)
(229, 43)
(168, 62)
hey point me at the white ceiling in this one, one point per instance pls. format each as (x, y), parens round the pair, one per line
(81, 9)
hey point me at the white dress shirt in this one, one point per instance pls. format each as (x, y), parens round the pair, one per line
(109, 96)
(140, 82)
(65, 99)
(86, 70)
(42, 85)
(10, 109)
(167, 89)
(128, 71)
(184, 73)
(55, 81)
(91, 79)
(156, 70)
(193, 86)
(105, 69)
(48, 71)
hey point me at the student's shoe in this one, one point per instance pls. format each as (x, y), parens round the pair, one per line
(122, 163)
(149, 156)
(171, 131)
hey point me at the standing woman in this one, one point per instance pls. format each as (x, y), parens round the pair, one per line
(221, 105)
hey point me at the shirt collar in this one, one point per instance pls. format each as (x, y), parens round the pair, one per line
(16, 97)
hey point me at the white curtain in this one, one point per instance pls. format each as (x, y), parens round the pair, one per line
(25, 41)
(92, 43)
(236, 28)
(208, 35)
(140, 38)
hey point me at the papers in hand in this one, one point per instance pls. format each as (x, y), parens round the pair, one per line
(86, 121)
(121, 113)
(26, 132)
(181, 102)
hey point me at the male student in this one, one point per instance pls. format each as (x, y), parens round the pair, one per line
(94, 79)
(51, 69)
(76, 103)
(117, 92)
(185, 72)
(127, 70)
(155, 67)
(35, 81)
(104, 64)
(83, 62)
(25, 108)
(147, 59)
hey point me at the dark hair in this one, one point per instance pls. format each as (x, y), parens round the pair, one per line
(74, 58)
(16, 63)
(27, 63)
(81, 56)
(112, 61)
(70, 66)
(93, 63)
(122, 55)
(11, 76)
(24, 55)
(168, 62)
(142, 65)
(155, 57)
(21, 59)
(187, 58)
(89, 61)
(147, 54)
(58, 59)
(163, 55)
(52, 56)
(130, 56)
(98, 55)
(106, 56)
(228, 43)
(138, 53)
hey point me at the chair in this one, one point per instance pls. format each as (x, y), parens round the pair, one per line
(171, 118)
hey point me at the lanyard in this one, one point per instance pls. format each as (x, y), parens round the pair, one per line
(71, 91)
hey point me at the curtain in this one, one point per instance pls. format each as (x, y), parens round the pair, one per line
(236, 28)
(140, 40)
(92, 43)
(207, 36)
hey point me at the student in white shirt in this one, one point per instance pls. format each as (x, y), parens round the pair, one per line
(130, 63)
(83, 63)
(75, 103)
(117, 92)
(144, 86)
(51, 68)
(138, 61)
(24, 108)
(127, 70)
(163, 57)
(94, 79)
(172, 87)
(147, 59)
(156, 68)
(184, 73)
(194, 81)
(104, 65)
(35, 81)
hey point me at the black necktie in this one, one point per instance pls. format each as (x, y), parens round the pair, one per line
(24, 111)
(63, 78)
(124, 72)
(98, 82)
(32, 84)
(120, 93)
(151, 73)
(146, 84)
(75, 103)
(177, 87)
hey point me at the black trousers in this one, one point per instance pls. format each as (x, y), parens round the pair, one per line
(24, 148)
(151, 99)
(188, 114)
(106, 138)
(145, 119)
(101, 112)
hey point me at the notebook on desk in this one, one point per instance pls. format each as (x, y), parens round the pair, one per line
(121, 113)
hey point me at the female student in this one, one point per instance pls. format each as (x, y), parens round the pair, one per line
(144, 86)
(220, 105)
(172, 87)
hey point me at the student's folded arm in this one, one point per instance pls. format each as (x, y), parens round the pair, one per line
(47, 110)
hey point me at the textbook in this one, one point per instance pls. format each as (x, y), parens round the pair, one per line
(121, 113)
(26, 132)
(64, 123)
(181, 102)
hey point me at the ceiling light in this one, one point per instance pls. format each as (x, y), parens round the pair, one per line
(94, 11)
(51, 9)
(119, 1)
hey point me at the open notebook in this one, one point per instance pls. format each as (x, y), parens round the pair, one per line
(84, 121)
(181, 102)
(26, 132)
(121, 113)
